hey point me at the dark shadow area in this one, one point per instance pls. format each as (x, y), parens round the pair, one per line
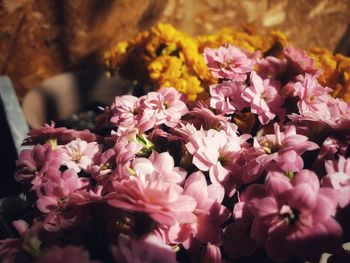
(60, 19)
(343, 46)
(50, 105)
(151, 14)
(8, 185)
(99, 9)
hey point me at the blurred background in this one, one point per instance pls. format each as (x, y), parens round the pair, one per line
(42, 38)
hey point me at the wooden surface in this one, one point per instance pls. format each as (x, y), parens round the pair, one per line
(41, 38)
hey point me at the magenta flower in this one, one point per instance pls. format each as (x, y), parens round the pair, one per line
(148, 249)
(61, 135)
(264, 97)
(226, 97)
(36, 162)
(338, 178)
(228, 63)
(296, 217)
(162, 107)
(78, 154)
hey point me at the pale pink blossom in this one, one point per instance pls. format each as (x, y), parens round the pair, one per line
(312, 96)
(228, 62)
(338, 178)
(162, 107)
(264, 97)
(164, 202)
(145, 250)
(78, 154)
(295, 218)
(115, 163)
(215, 151)
(160, 163)
(282, 148)
(124, 113)
(226, 97)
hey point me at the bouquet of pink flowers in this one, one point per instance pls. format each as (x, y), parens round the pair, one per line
(257, 169)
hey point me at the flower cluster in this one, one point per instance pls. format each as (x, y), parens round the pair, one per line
(166, 57)
(261, 167)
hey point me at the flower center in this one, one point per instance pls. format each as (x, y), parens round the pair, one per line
(105, 166)
(289, 215)
(269, 147)
(226, 64)
(62, 200)
(76, 157)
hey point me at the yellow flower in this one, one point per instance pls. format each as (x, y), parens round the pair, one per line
(324, 60)
(166, 33)
(189, 85)
(165, 68)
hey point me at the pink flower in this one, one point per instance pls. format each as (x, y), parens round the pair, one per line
(338, 178)
(20, 249)
(68, 254)
(312, 96)
(237, 239)
(149, 249)
(61, 135)
(215, 151)
(202, 117)
(298, 62)
(296, 217)
(58, 188)
(271, 67)
(282, 148)
(264, 97)
(124, 113)
(162, 107)
(36, 162)
(148, 193)
(226, 97)
(78, 154)
(228, 62)
(209, 211)
(160, 163)
(211, 254)
(115, 163)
